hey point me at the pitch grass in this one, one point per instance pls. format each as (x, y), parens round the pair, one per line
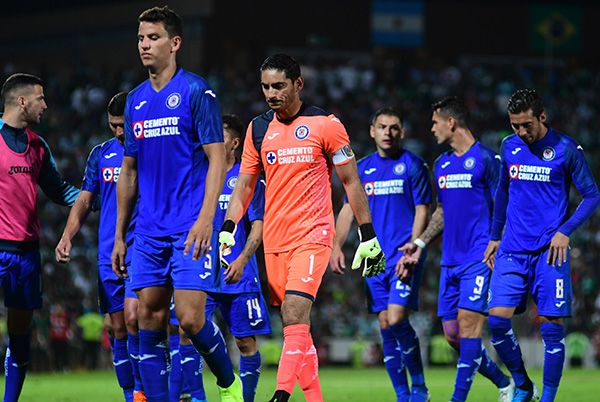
(339, 385)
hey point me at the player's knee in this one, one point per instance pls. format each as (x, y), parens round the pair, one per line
(470, 324)
(295, 313)
(190, 322)
(383, 320)
(453, 340)
(131, 321)
(396, 316)
(119, 329)
(246, 345)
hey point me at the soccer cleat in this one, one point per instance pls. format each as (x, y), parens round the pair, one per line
(139, 396)
(506, 394)
(233, 393)
(198, 400)
(280, 396)
(420, 394)
(185, 398)
(526, 395)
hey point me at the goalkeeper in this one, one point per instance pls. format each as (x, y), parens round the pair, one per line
(399, 192)
(296, 145)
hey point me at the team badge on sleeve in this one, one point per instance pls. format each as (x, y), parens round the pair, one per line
(173, 100)
(301, 132)
(469, 163)
(343, 155)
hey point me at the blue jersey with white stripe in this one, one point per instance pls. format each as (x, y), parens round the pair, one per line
(165, 132)
(250, 281)
(101, 175)
(536, 179)
(465, 186)
(394, 187)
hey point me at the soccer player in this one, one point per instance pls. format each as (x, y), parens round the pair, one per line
(467, 178)
(114, 293)
(398, 188)
(175, 160)
(297, 145)
(538, 166)
(26, 162)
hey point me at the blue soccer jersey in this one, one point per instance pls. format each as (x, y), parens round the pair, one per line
(465, 186)
(394, 186)
(536, 179)
(100, 178)
(250, 281)
(165, 132)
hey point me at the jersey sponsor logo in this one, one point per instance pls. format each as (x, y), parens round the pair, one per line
(164, 126)
(369, 171)
(173, 100)
(111, 174)
(286, 156)
(270, 137)
(271, 158)
(445, 164)
(399, 169)
(205, 275)
(211, 93)
(224, 201)
(516, 150)
(457, 180)
(139, 105)
(231, 182)
(580, 147)
(560, 304)
(548, 154)
(469, 163)
(384, 187)
(110, 155)
(20, 170)
(301, 132)
(256, 322)
(530, 172)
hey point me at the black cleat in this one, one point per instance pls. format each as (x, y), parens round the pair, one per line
(280, 396)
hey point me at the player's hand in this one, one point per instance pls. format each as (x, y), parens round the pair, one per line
(118, 258)
(234, 271)
(408, 262)
(489, 256)
(226, 240)
(62, 252)
(409, 248)
(370, 257)
(559, 249)
(199, 236)
(337, 261)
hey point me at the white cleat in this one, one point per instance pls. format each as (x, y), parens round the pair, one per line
(506, 393)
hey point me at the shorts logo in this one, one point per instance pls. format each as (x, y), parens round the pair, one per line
(173, 100)
(399, 169)
(138, 130)
(369, 188)
(231, 182)
(513, 170)
(548, 154)
(108, 174)
(442, 182)
(469, 163)
(301, 132)
(271, 158)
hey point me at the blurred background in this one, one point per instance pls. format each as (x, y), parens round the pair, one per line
(356, 57)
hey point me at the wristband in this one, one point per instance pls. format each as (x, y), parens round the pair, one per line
(366, 231)
(419, 243)
(228, 226)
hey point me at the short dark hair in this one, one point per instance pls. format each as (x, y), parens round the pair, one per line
(116, 106)
(282, 62)
(234, 124)
(453, 106)
(170, 19)
(386, 111)
(523, 100)
(18, 81)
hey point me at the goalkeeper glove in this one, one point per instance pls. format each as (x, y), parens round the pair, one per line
(226, 241)
(368, 255)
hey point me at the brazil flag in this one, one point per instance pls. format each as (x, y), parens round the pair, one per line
(557, 28)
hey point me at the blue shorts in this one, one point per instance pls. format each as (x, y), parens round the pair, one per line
(112, 290)
(463, 286)
(21, 276)
(386, 288)
(159, 261)
(246, 314)
(517, 274)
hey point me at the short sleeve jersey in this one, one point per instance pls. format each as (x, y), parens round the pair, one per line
(394, 187)
(250, 281)
(165, 131)
(297, 157)
(101, 176)
(465, 186)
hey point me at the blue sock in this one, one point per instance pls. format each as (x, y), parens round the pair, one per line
(123, 368)
(154, 364)
(133, 347)
(211, 344)
(192, 366)
(506, 344)
(490, 370)
(15, 365)
(469, 361)
(411, 351)
(175, 376)
(392, 358)
(250, 372)
(553, 336)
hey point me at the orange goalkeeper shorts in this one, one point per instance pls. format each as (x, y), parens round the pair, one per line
(298, 271)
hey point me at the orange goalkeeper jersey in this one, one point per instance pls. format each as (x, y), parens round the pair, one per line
(297, 156)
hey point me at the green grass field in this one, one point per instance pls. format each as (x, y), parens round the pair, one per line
(339, 385)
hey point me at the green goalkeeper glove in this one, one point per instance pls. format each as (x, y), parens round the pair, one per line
(226, 241)
(368, 255)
